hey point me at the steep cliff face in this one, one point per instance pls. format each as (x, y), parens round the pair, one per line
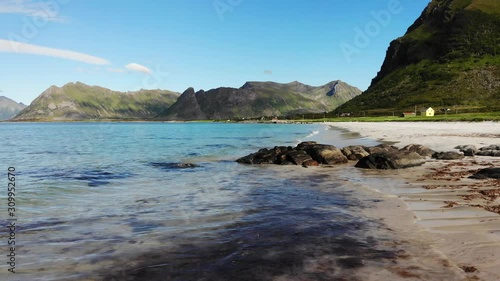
(449, 56)
(77, 101)
(187, 107)
(255, 99)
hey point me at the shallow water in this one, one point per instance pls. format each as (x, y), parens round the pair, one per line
(109, 201)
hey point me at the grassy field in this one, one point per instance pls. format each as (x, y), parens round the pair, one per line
(468, 117)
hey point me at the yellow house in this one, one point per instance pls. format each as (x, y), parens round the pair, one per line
(428, 112)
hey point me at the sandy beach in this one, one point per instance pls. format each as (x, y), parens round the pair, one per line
(440, 136)
(457, 215)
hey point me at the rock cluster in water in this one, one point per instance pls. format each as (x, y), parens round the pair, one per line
(382, 156)
(492, 150)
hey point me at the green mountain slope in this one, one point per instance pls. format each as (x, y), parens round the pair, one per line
(255, 99)
(448, 57)
(9, 108)
(77, 101)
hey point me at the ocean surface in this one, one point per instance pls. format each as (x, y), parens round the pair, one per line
(109, 201)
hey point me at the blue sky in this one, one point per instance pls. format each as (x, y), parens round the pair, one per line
(127, 45)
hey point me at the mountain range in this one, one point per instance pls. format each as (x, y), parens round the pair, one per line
(255, 99)
(449, 56)
(9, 108)
(77, 101)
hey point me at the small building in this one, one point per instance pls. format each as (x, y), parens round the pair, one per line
(429, 112)
(409, 114)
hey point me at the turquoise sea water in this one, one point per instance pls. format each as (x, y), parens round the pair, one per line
(106, 201)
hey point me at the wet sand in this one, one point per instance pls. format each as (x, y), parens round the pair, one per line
(437, 203)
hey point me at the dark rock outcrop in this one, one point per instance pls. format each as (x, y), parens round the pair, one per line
(492, 153)
(326, 154)
(448, 155)
(492, 173)
(306, 154)
(355, 152)
(299, 157)
(382, 148)
(391, 160)
(263, 156)
(492, 150)
(419, 149)
(468, 150)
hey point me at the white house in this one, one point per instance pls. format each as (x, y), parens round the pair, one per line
(428, 112)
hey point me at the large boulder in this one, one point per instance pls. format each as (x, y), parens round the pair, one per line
(381, 148)
(354, 152)
(492, 150)
(305, 154)
(298, 157)
(493, 173)
(448, 155)
(325, 154)
(305, 144)
(491, 147)
(419, 149)
(263, 156)
(391, 160)
(493, 153)
(467, 150)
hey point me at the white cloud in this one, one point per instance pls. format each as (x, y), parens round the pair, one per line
(47, 10)
(7, 46)
(138, 68)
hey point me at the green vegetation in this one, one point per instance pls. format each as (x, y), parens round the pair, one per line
(464, 117)
(80, 102)
(77, 101)
(255, 99)
(449, 57)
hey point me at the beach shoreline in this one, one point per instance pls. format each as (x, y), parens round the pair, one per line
(443, 206)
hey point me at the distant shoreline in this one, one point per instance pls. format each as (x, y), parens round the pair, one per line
(464, 117)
